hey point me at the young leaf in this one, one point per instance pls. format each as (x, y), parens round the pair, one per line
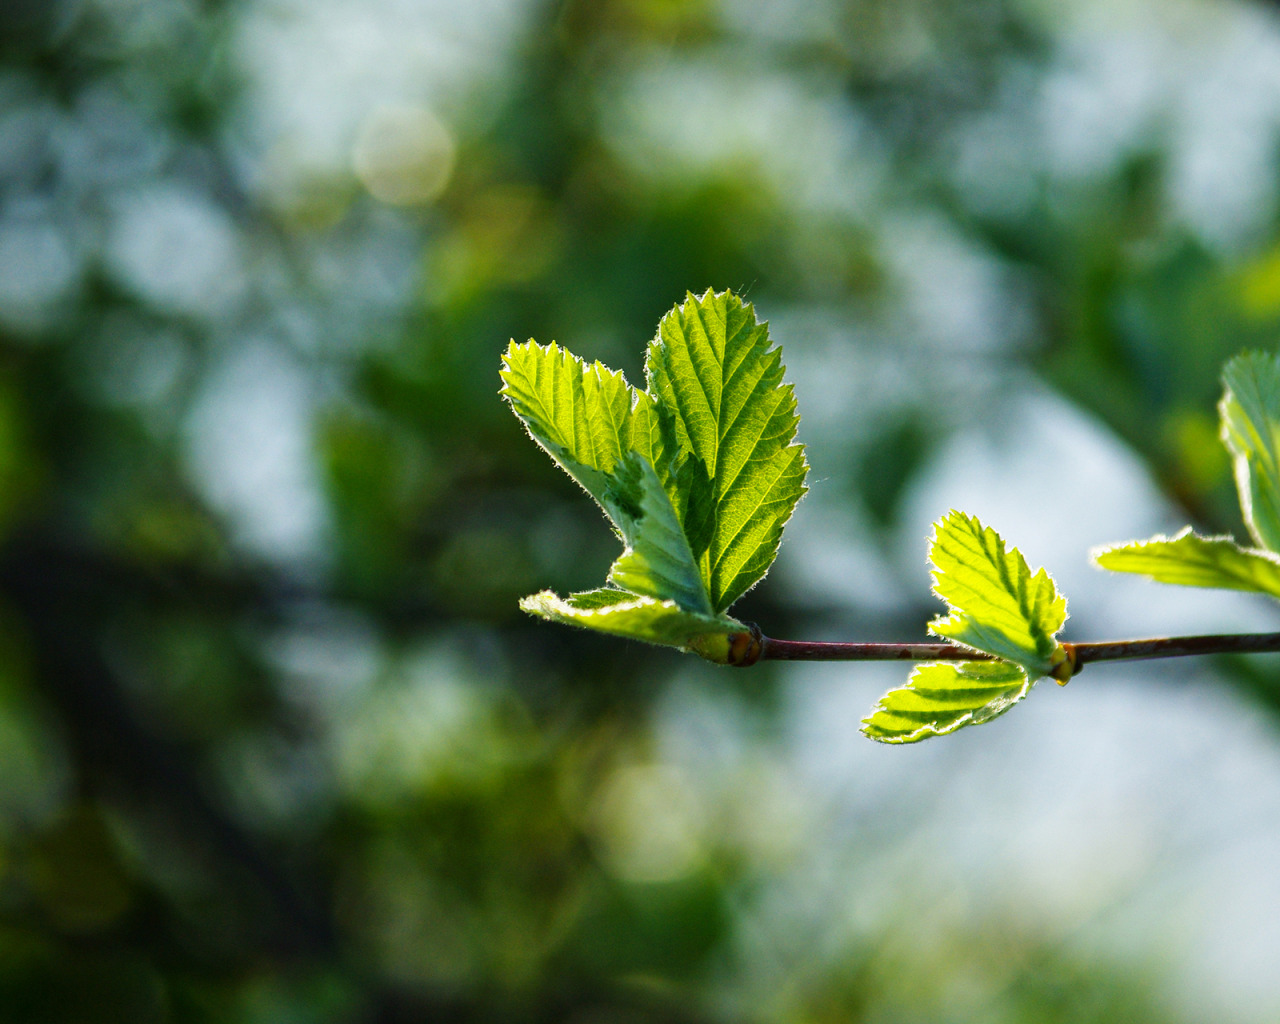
(605, 434)
(1194, 561)
(732, 419)
(1250, 410)
(639, 618)
(941, 697)
(585, 417)
(996, 604)
(657, 562)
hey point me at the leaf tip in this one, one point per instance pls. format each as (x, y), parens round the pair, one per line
(539, 603)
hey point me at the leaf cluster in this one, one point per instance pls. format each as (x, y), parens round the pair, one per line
(999, 608)
(698, 473)
(996, 606)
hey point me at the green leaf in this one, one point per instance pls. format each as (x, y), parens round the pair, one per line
(605, 434)
(1190, 560)
(737, 474)
(996, 604)
(587, 417)
(639, 618)
(941, 697)
(657, 561)
(1250, 410)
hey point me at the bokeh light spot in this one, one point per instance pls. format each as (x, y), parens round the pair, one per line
(37, 269)
(404, 155)
(647, 823)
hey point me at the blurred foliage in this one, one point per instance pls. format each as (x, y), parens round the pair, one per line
(275, 742)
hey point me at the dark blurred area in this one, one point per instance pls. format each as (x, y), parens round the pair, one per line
(276, 743)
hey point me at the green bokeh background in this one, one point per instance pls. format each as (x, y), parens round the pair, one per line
(276, 744)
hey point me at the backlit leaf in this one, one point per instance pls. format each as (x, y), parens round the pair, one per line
(1250, 410)
(997, 605)
(587, 417)
(639, 618)
(1194, 561)
(738, 474)
(941, 697)
(657, 561)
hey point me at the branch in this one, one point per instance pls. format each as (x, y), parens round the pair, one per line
(758, 647)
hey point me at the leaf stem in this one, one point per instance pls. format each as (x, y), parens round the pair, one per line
(769, 649)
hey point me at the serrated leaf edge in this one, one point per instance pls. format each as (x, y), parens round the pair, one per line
(940, 625)
(1263, 554)
(928, 730)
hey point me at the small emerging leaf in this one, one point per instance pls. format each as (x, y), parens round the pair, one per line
(998, 607)
(639, 618)
(941, 697)
(733, 420)
(657, 562)
(1250, 410)
(996, 604)
(1194, 561)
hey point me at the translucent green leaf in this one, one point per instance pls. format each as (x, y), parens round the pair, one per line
(732, 420)
(941, 697)
(587, 417)
(996, 604)
(639, 618)
(1194, 561)
(605, 434)
(657, 561)
(1250, 410)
